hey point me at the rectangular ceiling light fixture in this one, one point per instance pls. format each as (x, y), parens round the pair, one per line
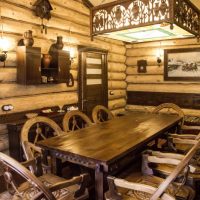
(146, 20)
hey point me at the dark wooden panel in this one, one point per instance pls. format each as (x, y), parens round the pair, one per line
(94, 76)
(61, 62)
(28, 65)
(94, 66)
(184, 100)
(92, 95)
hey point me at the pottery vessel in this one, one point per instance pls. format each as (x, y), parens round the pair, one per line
(28, 38)
(46, 60)
(59, 44)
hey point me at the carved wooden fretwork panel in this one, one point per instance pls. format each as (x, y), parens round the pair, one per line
(136, 13)
(186, 16)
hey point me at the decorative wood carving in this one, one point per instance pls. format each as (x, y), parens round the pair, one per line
(127, 14)
(100, 114)
(42, 10)
(74, 120)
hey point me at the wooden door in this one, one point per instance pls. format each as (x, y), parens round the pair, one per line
(93, 81)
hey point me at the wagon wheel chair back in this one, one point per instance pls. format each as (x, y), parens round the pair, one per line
(74, 120)
(101, 114)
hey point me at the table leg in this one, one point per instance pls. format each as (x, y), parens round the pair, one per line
(99, 182)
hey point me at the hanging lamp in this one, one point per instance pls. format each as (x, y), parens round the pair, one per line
(146, 20)
(4, 44)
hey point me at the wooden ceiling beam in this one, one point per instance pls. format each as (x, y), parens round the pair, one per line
(88, 3)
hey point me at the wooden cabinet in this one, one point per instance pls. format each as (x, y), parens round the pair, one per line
(61, 62)
(28, 65)
(30, 70)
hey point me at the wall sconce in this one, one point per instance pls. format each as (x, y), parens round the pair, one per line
(3, 49)
(70, 78)
(4, 45)
(159, 54)
(142, 66)
(159, 60)
(72, 54)
(3, 56)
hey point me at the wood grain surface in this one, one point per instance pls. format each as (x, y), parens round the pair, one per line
(112, 139)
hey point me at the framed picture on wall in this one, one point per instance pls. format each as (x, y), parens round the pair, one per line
(182, 64)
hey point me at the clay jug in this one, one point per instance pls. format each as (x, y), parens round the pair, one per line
(46, 60)
(28, 38)
(59, 44)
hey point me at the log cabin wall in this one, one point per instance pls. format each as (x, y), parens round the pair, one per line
(18, 17)
(146, 90)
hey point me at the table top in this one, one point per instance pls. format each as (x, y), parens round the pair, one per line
(112, 139)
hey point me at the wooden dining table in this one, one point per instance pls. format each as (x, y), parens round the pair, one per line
(109, 146)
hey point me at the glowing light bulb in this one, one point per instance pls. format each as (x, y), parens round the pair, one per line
(72, 53)
(4, 44)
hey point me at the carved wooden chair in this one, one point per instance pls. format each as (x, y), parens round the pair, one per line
(173, 108)
(152, 187)
(182, 129)
(35, 129)
(162, 164)
(101, 114)
(46, 186)
(178, 142)
(131, 190)
(74, 120)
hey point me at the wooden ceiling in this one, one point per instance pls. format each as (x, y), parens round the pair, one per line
(100, 2)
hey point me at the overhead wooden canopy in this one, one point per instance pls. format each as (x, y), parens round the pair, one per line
(100, 2)
(125, 15)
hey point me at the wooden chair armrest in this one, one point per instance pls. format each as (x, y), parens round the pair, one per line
(113, 182)
(171, 161)
(167, 155)
(67, 183)
(29, 163)
(183, 136)
(32, 146)
(185, 127)
(46, 168)
(35, 165)
(182, 141)
(193, 168)
(158, 160)
(81, 180)
(163, 186)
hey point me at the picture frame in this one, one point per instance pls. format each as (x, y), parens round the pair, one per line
(182, 64)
